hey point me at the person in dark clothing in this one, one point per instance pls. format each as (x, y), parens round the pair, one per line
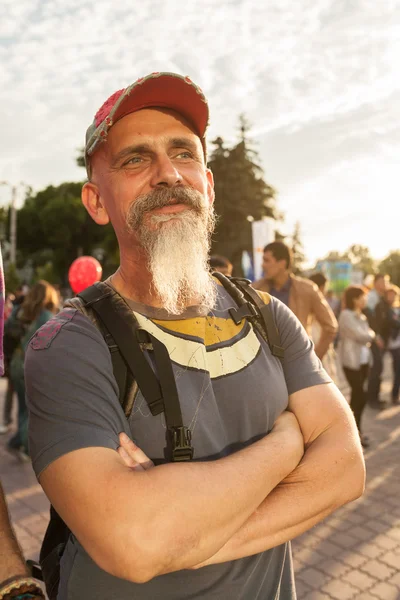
(377, 346)
(39, 305)
(14, 300)
(387, 319)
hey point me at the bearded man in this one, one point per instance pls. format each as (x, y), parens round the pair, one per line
(276, 447)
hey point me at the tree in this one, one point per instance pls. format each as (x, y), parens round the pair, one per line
(280, 237)
(47, 272)
(241, 195)
(297, 250)
(361, 259)
(80, 159)
(54, 228)
(12, 281)
(359, 256)
(391, 266)
(334, 255)
(4, 222)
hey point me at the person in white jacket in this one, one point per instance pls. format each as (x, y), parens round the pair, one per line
(355, 337)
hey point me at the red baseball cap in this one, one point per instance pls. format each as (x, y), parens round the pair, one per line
(163, 90)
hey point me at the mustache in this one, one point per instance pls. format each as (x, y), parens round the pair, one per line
(160, 197)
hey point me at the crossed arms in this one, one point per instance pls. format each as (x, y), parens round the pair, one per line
(137, 524)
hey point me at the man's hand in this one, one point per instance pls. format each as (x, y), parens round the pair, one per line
(133, 457)
(176, 529)
(330, 474)
(286, 424)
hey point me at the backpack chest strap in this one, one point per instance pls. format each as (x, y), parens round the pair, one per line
(159, 390)
(250, 306)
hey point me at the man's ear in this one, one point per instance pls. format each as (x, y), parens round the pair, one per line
(210, 186)
(93, 203)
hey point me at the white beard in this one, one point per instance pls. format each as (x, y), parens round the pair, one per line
(177, 251)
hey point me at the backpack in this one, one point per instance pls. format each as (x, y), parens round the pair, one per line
(126, 340)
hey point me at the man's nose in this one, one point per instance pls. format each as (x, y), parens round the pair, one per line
(165, 173)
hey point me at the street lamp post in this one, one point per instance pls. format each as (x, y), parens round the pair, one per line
(13, 226)
(13, 219)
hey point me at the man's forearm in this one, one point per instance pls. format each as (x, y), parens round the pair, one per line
(201, 525)
(12, 562)
(188, 511)
(324, 480)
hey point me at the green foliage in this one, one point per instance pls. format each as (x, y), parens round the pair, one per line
(334, 255)
(4, 223)
(54, 228)
(279, 237)
(297, 250)
(12, 281)
(47, 272)
(391, 266)
(359, 256)
(80, 159)
(361, 259)
(241, 195)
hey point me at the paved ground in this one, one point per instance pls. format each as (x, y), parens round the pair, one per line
(354, 554)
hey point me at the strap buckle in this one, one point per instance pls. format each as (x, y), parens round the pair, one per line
(182, 449)
(247, 310)
(278, 351)
(35, 569)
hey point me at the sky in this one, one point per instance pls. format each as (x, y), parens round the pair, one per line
(319, 81)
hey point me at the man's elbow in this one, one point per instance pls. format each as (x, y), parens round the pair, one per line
(147, 553)
(359, 482)
(352, 485)
(131, 564)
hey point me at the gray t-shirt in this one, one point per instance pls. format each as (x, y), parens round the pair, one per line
(231, 391)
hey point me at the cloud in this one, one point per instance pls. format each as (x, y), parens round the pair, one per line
(319, 79)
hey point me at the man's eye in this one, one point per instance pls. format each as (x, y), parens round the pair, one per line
(135, 160)
(185, 154)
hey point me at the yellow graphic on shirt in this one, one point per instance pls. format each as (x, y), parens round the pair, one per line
(213, 330)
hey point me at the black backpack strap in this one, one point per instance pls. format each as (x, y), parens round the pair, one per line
(120, 369)
(159, 392)
(127, 386)
(267, 316)
(179, 440)
(250, 306)
(124, 338)
(124, 333)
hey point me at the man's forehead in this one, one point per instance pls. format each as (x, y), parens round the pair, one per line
(148, 126)
(151, 123)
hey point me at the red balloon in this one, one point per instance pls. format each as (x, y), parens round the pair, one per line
(83, 272)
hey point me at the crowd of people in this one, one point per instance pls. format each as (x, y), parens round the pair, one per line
(355, 328)
(24, 314)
